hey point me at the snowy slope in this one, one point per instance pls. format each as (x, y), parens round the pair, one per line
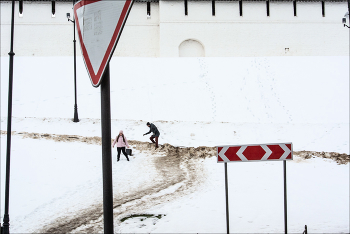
(194, 102)
(299, 99)
(238, 90)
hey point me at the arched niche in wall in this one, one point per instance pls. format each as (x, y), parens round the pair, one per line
(191, 48)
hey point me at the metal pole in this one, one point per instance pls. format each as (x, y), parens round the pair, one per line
(106, 152)
(227, 209)
(285, 195)
(6, 221)
(76, 119)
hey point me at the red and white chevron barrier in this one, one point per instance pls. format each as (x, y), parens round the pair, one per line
(262, 152)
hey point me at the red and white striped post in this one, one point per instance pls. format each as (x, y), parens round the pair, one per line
(256, 152)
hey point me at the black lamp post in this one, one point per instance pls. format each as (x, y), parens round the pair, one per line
(76, 119)
(344, 19)
(346, 16)
(5, 229)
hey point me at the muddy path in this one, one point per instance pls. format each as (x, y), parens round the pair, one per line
(203, 151)
(179, 172)
(178, 169)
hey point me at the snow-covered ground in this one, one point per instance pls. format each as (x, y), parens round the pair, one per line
(235, 90)
(194, 102)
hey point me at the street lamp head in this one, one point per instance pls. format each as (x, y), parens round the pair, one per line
(68, 16)
(344, 20)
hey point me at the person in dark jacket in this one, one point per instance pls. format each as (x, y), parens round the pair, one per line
(155, 135)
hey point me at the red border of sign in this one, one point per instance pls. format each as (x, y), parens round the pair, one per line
(96, 78)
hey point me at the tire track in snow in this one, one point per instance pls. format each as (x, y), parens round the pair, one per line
(177, 173)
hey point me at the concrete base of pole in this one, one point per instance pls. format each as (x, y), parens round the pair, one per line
(5, 229)
(76, 119)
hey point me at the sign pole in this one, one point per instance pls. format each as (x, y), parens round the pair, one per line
(227, 209)
(109, 18)
(285, 195)
(256, 152)
(106, 153)
(6, 221)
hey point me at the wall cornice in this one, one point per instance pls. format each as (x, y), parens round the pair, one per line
(45, 1)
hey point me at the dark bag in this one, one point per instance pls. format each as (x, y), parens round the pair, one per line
(128, 151)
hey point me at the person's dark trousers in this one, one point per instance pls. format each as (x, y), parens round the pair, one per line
(156, 142)
(119, 149)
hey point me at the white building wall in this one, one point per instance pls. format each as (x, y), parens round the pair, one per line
(140, 37)
(254, 33)
(37, 33)
(226, 34)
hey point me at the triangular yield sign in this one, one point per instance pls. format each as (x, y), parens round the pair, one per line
(99, 24)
